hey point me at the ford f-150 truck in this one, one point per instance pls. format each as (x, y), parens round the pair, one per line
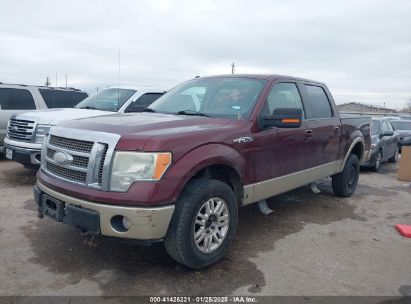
(25, 131)
(179, 171)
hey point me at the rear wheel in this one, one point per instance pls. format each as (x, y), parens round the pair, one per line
(345, 182)
(394, 159)
(378, 162)
(204, 223)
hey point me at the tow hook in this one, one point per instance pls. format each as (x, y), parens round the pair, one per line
(89, 239)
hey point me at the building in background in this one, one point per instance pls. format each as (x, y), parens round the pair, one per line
(361, 108)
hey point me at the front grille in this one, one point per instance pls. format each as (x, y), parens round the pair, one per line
(72, 175)
(71, 144)
(22, 130)
(84, 157)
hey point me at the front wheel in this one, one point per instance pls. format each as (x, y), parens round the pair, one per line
(345, 182)
(378, 162)
(204, 223)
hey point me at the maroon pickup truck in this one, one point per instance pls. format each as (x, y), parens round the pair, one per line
(179, 171)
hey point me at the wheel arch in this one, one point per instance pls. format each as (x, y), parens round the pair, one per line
(357, 148)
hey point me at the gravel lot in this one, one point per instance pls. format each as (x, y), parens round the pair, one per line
(313, 244)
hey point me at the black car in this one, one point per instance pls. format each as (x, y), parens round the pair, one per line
(384, 143)
(403, 128)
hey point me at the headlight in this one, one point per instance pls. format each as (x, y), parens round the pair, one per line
(129, 167)
(41, 131)
(407, 138)
(373, 146)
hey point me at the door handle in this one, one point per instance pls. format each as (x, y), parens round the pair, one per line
(308, 135)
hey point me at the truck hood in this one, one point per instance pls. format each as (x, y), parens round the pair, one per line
(58, 116)
(136, 129)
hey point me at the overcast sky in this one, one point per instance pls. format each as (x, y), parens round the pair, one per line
(361, 49)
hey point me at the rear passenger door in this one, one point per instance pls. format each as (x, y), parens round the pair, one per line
(13, 101)
(323, 132)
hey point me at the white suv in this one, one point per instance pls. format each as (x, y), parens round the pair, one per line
(27, 130)
(18, 98)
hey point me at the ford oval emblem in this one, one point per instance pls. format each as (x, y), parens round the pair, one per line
(62, 158)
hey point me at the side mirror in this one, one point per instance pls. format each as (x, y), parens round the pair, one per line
(387, 133)
(282, 118)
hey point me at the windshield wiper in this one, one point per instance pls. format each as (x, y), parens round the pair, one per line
(192, 112)
(149, 110)
(88, 108)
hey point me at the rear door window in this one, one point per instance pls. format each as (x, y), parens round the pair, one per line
(143, 102)
(317, 105)
(61, 99)
(16, 99)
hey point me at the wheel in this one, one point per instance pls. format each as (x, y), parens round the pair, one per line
(345, 182)
(394, 159)
(378, 162)
(204, 223)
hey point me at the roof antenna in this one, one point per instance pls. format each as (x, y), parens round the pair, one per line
(118, 88)
(232, 68)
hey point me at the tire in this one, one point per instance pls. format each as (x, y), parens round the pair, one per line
(378, 162)
(180, 239)
(345, 182)
(394, 159)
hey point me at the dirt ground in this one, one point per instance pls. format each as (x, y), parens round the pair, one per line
(312, 244)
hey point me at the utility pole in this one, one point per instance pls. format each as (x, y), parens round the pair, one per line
(56, 79)
(232, 68)
(385, 110)
(48, 83)
(66, 80)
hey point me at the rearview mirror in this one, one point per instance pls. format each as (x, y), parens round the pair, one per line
(283, 118)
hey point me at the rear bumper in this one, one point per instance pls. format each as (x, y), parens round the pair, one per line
(145, 223)
(28, 154)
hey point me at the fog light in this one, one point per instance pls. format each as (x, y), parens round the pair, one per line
(120, 223)
(126, 223)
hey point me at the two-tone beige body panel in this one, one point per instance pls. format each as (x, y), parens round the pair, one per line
(265, 189)
(146, 223)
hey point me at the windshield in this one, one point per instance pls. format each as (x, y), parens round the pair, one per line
(402, 125)
(216, 97)
(375, 127)
(107, 100)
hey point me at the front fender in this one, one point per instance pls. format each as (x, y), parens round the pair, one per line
(201, 157)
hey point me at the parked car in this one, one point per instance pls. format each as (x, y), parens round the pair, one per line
(384, 144)
(403, 127)
(26, 131)
(179, 171)
(18, 98)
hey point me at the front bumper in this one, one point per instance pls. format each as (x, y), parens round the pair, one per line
(145, 223)
(27, 154)
(371, 159)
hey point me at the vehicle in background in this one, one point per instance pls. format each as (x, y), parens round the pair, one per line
(18, 98)
(392, 118)
(179, 171)
(384, 143)
(403, 128)
(26, 131)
